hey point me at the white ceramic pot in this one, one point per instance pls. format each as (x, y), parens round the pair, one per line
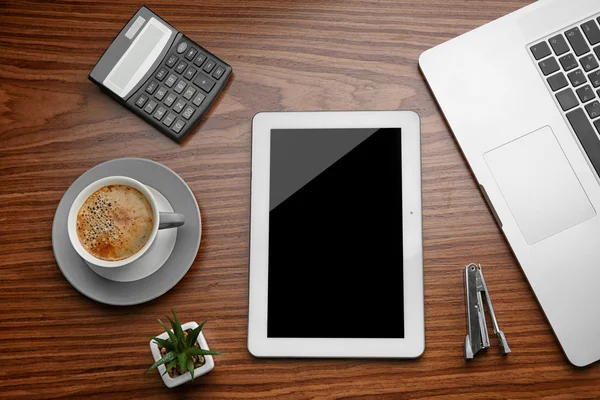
(209, 363)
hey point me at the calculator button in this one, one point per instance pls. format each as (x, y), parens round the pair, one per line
(204, 83)
(181, 47)
(218, 72)
(180, 86)
(179, 106)
(151, 87)
(178, 126)
(160, 113)
(160, 93)
(170, 99)
(189, 92)
(181, 67)
(210, 64)
(150, 107)
(169, 119)
(141, 101)
(189, 74)
(189, 111)
(191, 53)
(172, 60)
(198, 99)
(171, 80)
(199, 60)
(160, 75)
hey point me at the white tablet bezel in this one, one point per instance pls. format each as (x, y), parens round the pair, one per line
(413, 344)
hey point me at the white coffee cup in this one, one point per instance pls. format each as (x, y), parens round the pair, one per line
(162, 220)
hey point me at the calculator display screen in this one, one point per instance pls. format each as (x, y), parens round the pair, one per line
(335, 234)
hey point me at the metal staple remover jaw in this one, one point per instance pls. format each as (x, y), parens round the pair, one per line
(478, 337)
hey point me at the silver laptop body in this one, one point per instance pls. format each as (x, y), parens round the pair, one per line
(531, 137)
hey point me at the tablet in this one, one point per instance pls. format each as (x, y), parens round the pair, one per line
(336, 255)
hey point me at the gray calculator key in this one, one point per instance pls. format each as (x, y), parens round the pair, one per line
(189, 92)
(171, 80)
(189, 111)
(141, 101)
(210, 64)
(151, 87)
(204, 83)
(161, 74)
(218, 72)
(179, 106)
(170, 99)
(151, 106)
(180, 86)
(169, 119)
(181, 67)
(189, 74)
(198, 99)
(160, 113)
(178, 126)
(160, 93)
(181, 47)
(191, 53)
(172, 60)
(199, 60)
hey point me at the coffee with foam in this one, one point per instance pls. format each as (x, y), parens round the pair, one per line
(115, 222)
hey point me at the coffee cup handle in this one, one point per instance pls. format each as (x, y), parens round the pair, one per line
(170, 220)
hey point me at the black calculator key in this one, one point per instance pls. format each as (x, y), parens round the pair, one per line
(199, 60)
(169, 119)
(198, 99)
(557, 81)
(189, 92)
(577, 41)
(171, 80)
(160, 113)
(588, 62)
(141, 101)
(170, 99)
(591, 31)
(181, 67)
(178, 125)
(160, 75)
(189, 74)
(568, 62)
(588, 138)
(593, 109)
(151, 87)
(150, 107)
(585, 93)
(179, 106)
(549, 66)
(181, 47)
(595, 78)
(559, 44)
(540, 50)
(160, 93)
(180, 86)
(219, 72)
(172, 60)
(188, 112)
(204, 83)
(191, 53)
(577, 78)
(567, 99)
(210, 64)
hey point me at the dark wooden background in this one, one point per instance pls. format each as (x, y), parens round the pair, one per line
(286, 55)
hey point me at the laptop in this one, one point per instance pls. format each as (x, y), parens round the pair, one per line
(522, 97)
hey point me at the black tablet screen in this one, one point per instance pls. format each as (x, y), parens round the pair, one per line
(335, 234)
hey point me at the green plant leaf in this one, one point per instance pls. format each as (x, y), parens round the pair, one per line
(179, 334)
(164, 343)
(193, 336)
(201, 352)
(171, 335)
(167, 357)
(190, 367)
(182, 358)
(170, 366)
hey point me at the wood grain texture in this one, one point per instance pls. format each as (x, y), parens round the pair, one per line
(286, 55)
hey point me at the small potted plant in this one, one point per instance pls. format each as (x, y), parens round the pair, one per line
(181, 353)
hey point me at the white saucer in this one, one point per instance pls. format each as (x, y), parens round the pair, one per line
(156, 256)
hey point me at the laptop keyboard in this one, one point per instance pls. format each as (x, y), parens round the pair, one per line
(569, 62)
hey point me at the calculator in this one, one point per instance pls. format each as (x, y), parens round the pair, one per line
(160, 74)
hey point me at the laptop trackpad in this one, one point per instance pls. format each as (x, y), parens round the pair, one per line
(539, 185)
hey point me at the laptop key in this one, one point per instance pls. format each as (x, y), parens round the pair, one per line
(591, 31)
(588, 62)
(577, 41)
(577, 78)
(593, 109)
(597, 125)
(540, 50)
(559, 44)
(557, 81)
(588, 138)
(568, 62)
(549, 66)
(585, 93)
(594, 77)
(567, 99)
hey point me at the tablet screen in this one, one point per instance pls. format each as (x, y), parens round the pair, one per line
(335, 234)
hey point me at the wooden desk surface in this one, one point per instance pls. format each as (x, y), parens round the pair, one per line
(287, 55)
